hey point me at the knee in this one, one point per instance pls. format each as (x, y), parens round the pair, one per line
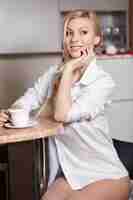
(47, 196)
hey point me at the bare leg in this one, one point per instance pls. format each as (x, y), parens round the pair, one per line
(103, 190)
(59, 190)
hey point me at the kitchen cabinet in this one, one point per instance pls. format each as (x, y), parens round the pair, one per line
(120, 113)
(103, 5)
(121, 70)
(120, 117)
(28, 26)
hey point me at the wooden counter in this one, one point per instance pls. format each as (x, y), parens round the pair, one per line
(45, 127)
(25, 156)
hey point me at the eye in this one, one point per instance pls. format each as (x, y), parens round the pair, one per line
(84, 32)
(69, 33)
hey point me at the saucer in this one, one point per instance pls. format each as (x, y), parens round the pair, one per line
(32, 123)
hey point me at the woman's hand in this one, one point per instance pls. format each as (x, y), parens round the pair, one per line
(78, 64)
(4, 117)
(74, 68)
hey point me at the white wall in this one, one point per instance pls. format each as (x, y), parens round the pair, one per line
(29, 26)
(17, 73)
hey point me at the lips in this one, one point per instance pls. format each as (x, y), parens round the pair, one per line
(76, 47)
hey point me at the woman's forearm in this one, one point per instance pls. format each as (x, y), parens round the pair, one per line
(63, 100)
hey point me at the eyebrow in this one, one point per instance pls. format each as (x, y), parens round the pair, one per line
(84, 27)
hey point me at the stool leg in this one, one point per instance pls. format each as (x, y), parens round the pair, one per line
(4, 169)
(7, 184)
(45, 164)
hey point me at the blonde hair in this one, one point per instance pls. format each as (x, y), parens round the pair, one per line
(76, 14)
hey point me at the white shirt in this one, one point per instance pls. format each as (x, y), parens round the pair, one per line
(84, 150)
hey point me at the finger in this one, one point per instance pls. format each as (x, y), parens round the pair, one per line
(1, 124)
(4, 115)
(2, 120)
(81, 53)
(85, 52)
(89, 53)
(84, 58)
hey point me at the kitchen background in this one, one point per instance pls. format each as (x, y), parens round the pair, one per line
(31, 41)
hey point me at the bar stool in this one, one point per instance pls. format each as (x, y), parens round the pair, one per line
(43, 165)
(125, 152)
(4, 171)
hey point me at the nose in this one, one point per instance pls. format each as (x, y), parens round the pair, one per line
(75, 37)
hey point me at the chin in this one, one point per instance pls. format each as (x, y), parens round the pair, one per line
(75, 54)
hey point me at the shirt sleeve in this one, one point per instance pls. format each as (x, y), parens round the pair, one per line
(92, 100)
(35, 96)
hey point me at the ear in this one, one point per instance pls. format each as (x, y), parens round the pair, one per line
(97, 40)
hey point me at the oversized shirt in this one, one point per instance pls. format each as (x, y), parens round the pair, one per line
(84, 150)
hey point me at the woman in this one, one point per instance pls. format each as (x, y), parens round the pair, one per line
(83, 162)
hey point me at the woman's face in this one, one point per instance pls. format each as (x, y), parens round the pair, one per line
(80, 35)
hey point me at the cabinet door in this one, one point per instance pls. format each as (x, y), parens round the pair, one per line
(29, 26)
(103, 5)
(120, 116)
(121, 70)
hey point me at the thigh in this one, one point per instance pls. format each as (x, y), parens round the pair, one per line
(104, 190)
(59, 190)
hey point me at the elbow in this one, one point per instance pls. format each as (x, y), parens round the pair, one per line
(59, 117)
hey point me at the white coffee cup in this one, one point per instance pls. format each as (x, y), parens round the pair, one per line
(18, 116)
